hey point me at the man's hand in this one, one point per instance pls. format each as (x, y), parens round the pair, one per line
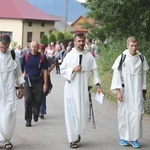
(20, 93)
(99, 90)
(45, 87)
(119, 95)
(77, 68)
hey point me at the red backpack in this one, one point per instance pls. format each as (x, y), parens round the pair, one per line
(40, 62)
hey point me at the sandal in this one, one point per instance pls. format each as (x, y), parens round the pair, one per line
(8, 146)
(73, 145)
(79, 139)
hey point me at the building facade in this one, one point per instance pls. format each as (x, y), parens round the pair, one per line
(24, 22)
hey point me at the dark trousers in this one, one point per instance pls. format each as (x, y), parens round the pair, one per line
(33, 99)
(43, 105)
(57, 67)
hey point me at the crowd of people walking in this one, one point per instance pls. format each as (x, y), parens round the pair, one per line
(30, 68)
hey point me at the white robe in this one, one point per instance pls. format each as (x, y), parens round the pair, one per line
(10, 75)
(130, 111)
(76, 97)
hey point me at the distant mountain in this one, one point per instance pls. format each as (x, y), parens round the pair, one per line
(58, 7)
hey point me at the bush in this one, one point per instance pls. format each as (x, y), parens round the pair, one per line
(44, 39)
(13, 45)
(52, 38)
(67, 34)
(60, 36)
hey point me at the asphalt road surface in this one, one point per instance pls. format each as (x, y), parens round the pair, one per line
(50, 133)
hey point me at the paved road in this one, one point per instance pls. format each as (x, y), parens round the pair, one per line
(50, 133)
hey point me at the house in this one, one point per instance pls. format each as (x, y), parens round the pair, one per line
(24, 22)
(61, 24)
(78, 24)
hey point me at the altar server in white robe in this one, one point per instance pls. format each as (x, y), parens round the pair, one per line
(76, 98)
(129, 84)
(10, 76)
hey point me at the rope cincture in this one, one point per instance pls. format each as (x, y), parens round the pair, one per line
(91, 110)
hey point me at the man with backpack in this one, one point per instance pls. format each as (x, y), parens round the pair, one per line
(10, 76)
(35, 66)
(129, 84)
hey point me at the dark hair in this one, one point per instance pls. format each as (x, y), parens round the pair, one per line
(80, 34)
(5, 39)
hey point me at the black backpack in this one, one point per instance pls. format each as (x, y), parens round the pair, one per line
(123, 57)
(13, 55)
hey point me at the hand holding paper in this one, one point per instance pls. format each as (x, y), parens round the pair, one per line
(99, 97)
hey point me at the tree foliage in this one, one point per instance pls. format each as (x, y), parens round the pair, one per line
(121, 18)
(44, 39)
(60, 36)
(52, 38)
(13, 45)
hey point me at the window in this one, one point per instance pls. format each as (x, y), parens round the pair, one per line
(42, 24)
(29, 36)
(30, 24)
(41, 34)
(8, 33)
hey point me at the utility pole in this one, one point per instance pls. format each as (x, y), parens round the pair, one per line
(66, 17)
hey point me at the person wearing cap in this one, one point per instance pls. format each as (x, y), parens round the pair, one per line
(51, 65)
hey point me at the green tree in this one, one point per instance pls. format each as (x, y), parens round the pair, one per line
(68, 34)
(60, 36)
(13, 45)
(44, 39)
(121, 18)
(52, 38)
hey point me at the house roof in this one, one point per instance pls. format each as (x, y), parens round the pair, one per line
(21, 9)
(76, 24)
(86, 19)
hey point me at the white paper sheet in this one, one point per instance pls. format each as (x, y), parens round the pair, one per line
(99, 98)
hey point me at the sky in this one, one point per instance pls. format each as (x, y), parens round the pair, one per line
(58, 7)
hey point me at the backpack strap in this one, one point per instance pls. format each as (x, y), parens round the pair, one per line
(141, 57)
(41, 60)
(26, 57)
(123, 57)
(13, 55)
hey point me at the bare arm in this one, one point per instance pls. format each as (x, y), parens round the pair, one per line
(45, 72)
(52, 67)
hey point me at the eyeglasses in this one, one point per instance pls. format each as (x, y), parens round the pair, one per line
(3, 48)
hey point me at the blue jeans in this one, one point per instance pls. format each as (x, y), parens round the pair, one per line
(43, 105)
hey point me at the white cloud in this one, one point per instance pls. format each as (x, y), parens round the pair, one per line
(82, 1)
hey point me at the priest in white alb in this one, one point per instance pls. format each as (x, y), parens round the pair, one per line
(10, 76)
(130, 85)
(76, 68)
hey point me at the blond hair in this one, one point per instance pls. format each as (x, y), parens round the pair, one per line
(131, 39)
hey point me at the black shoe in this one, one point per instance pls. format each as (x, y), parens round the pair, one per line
(28, 124)
(41, 116)
(35, 118)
